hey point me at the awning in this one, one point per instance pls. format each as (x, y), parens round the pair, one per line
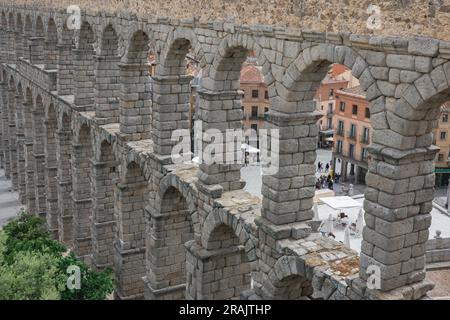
(341, 202)
(327, 132)
(330, 139)
(442, 170)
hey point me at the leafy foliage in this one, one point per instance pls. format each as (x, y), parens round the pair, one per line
(33, 266)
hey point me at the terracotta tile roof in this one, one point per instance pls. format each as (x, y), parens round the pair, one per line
(251, 73)
(354, 91)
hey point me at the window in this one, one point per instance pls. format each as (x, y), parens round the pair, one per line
(339, 146)
(365, 136)
(254, 112)
(351, 151)
(342, 106)
(321, 108)
(445, 118)
(266, 95)
(320, 122)
(341, 128)
(443, 135)
(354, 110)
(441, 157)
(254, 127)
(332, 93)
(352, 131)
(330, 123)
(367, 113)
(330, 107)
(243, 94)
(364, 154)
(266, 110)
(255, 93)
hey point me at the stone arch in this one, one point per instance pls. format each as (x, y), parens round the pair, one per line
(170, 227)
(135, 102)
(82, 154)
(221, 267)
(39, 155)
(51, 42)
(51, 166)
(107, 86)
(36, 43)
(104, 178)
(39, 30)
(84, 66)
(64, 138)
(287, 280)
(132, 198)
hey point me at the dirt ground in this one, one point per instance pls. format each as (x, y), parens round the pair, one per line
(441, 279)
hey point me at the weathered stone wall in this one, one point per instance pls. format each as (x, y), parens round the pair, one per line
(400, 17)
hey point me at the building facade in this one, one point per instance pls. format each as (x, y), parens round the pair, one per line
(352, 133)
(442, 140)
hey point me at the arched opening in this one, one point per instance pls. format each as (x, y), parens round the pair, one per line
(29, 157)
(82, 155)
(39, 156)
(51, 42)
(221, 268)
(18, 36)
(64, 80)
(51, 166)
(169, 231)
(37, 44)
(104, 178)
(84, 78)
(27, 34)
(107, 73)
(63, 156)
(21, 144)
(135, 102)
(132, 197)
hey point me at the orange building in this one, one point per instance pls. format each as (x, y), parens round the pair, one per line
(442, 140)
(255, 102)
(352, 133)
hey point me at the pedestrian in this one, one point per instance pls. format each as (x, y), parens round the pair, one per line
(327, 167)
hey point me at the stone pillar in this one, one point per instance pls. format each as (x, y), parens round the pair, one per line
(64, 80)
(18, 44)
(65, 202)
(104, 222)
(3, 46)
(135, 102)
(5, 128)
(36, 46)
(81, 197)
(356, 172)
(129, 258)
(83, 76)
(26, 46)
(51, 181)
(12, 138)
(398, 202)
(10, 47)
(448, 196)
(171, 96)
(29, 158)
(345, 170)
(39, 160)
(219, 111)
(107, 88)
(20, 133)
(216, 274)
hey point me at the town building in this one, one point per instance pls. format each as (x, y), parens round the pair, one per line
(352, 133)
(442, 140)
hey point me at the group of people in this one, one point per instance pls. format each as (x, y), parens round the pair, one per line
(329, 177)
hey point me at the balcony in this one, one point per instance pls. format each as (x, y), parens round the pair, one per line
(340, 132)
(364, 139)
(351, 135)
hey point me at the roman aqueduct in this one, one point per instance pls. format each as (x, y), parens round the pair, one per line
(86, 142)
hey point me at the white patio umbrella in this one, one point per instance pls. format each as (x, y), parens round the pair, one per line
(360, 222)
(316, 212)
(347, 237)
(329, 225)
